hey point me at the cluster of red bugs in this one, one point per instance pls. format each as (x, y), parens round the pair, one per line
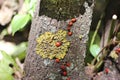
(63, 68)
(70, 24)
(117, 50)
(67, 64)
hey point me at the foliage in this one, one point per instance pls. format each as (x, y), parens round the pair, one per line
(5, 70)
(20, 20)
(20, 50)
(7, 56)
(94, 49)
(14, 50)
(110, 47)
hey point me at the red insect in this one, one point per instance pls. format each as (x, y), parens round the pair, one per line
(69, 33)
(68, 78)
(57, 60)
(107, 70)
(117, 50)
(68, 28)
(63, 67)
(64, 73)
(73, 20)
(58, 44)
(70, 23)
(68, 64)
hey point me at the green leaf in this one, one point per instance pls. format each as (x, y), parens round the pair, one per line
(5, 76)
(20, 51)
(97, 38)
(32, 5)
(6, 59)
(4, 32)
(9, 47)
(89, 57)
(31, 11)
(94, 49)
(26, 4)
(19, 21)
(5, 70)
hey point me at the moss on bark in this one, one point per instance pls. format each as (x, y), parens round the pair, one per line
(62, 9)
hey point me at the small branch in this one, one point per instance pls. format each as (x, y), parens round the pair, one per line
(115, 42)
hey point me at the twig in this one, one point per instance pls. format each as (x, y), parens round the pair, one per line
(115, 42)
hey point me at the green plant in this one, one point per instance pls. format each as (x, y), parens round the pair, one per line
(20, 20)
(94, 47)
(6, 70)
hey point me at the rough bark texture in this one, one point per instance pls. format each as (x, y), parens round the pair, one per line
(38, 68)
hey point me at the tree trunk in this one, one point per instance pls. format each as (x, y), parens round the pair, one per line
(53, 16)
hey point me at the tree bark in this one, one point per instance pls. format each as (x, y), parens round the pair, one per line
(51, 17)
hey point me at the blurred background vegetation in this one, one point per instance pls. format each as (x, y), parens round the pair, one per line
(15, 21)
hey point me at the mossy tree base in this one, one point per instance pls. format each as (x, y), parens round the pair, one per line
(38, 68)
(62, 9)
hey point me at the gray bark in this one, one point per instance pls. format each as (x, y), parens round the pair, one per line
(38, 68)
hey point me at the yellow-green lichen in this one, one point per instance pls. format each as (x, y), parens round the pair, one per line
(46, 47)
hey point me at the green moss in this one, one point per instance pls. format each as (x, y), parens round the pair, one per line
(46, 47)
(61, 9)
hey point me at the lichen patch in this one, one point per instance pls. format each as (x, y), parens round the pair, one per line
(46, 47)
